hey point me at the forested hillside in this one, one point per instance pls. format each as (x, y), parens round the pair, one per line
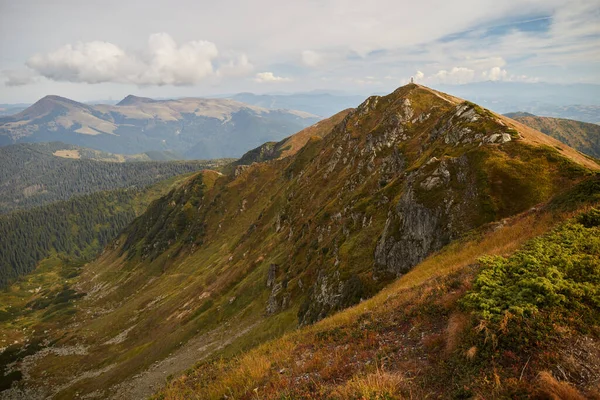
(64, 150)
(31, 175)
(79, 227)
(582, 136)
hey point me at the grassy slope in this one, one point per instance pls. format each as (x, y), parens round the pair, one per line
(582, 136)
(417, 339)
(18, 320)
(314, 216)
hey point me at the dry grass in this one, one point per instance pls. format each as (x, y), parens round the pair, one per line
(456, 325)
(320, 129)
(258, 368)
(471, 353)
(537, 138)
(67, 154)
(375, 386)
(551, 388)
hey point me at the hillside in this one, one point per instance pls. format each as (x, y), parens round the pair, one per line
(582, 136)
(511, 312)
(78, 228)
(33, 174)
(64, 150)
(224, 263)
(196, 128)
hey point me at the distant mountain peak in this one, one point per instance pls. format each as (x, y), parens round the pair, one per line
(47, 104)
(52, 99)
(518, 114)
(133, 100)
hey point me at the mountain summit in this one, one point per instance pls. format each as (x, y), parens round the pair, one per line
(134, 100)
(227, 261)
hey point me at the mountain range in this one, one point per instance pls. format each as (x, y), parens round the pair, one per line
(582, 136)
(195, 128)
(412, 188)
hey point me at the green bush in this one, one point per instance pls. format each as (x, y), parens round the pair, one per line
(559, 271)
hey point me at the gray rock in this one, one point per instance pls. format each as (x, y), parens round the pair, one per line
(419, 232)
(271, 275)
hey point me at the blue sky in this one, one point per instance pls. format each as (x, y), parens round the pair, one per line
(107, 49)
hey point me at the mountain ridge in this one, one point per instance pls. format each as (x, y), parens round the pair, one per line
(132, 100)
(194, 127)
(290, 241)
(582, 136)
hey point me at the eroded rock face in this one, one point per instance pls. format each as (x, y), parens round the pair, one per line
(274, 304)
(467, 126)
(414, 230)
(330, 293)
(279, 299)
(410, 234)
(271, 275)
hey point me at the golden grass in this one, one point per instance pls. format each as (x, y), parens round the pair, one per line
(375, 386)
(456, 325)
(555, 390)
(322, 128)
(67, 154)
(537, 138)
(258, 367)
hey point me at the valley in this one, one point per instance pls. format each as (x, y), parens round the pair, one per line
(383, 211)
(76, 230)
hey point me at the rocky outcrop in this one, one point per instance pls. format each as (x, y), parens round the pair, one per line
(410, 234)
(330, 293)
(279, 298)
(470, 124)
(414, 230)
(271, 275)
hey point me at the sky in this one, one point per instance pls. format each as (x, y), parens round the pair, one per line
(98, 50)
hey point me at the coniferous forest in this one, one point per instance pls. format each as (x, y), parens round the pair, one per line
(79, 227)
(30, 175)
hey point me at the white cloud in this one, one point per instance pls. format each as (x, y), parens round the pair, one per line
(266, 77)
(311, 58)
(163, 62)
(419, 75)
(495, 74)
(457, 75)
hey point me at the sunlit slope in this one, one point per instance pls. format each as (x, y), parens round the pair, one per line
(225, 262)
(464, 323)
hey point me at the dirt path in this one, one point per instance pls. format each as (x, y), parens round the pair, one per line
(146, 383)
